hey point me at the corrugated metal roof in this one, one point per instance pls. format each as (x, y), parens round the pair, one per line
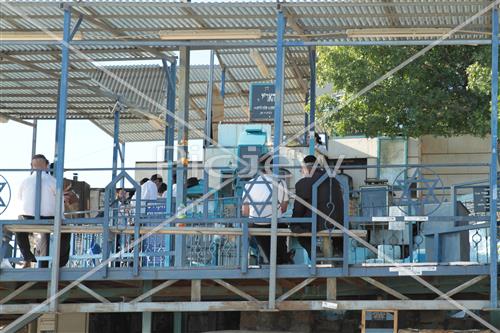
(29, 72)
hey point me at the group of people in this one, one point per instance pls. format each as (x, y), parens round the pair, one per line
(257, 204)
(329, 207)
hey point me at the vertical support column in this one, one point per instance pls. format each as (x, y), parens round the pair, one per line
(177, 322)
(59, 159)
(171, 73)
(182, 142)
(170, 76)
(208, 129)
(278, 126)
(122, 163)
(312, 99)
(494, 161)
(116, 140)
(306, 122)
(33, 139)
(223, 82)
(147, 317)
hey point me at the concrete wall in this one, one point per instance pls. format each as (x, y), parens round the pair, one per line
(424, 150)
(461, 149)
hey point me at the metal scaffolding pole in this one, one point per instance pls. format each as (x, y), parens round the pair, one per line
(494, 161)
(208, 127)
(182, 142)
(223, 82)
(33, 139)
(171, 73)
(278, 130)
(312, 99)
(169, 144)
(59, 159)
(116, 139)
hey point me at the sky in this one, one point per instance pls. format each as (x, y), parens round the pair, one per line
(87, 146)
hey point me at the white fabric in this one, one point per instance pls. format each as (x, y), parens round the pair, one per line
(149, 191)
(258, 195)
(174, 190)
(27, 195)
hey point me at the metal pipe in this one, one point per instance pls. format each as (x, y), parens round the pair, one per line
(116, 139)
(278, 129)
(472, 42)
(182, 143)
(494, 161)
(245, 44)
(312, 99)
(59, 158)
(170, 78)
(38, 194)
(122, 158)
(208, 127)
(33, 139)
(223, 82)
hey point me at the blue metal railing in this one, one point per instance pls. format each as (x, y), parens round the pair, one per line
(122, 223)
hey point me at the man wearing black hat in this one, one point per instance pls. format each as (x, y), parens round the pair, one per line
(329, 202)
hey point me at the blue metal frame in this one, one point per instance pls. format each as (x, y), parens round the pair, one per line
(116, 139)
(59, 156)
(278, 130)
(312, 99)
(208, 126)
(494, 161)
(273, 271)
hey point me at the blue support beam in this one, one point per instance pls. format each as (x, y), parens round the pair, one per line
(170, 77)
(278, 130)
(171, 74)
(312, 99)
(220, 44)
(494, 161)
(59, 157)
(116, 140)
(223, 82)
(208, 127)
(33, 139)
(182, 146)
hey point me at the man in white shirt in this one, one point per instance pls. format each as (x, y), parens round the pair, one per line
(27, 198)
(257, 203)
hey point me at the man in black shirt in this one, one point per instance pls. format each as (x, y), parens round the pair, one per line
(330, 202)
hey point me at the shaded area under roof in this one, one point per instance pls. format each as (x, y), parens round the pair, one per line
(29, 69)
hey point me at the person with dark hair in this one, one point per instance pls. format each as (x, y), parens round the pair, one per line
(162, 190)
(27, 198)
(149, 189)
(143, 181)
(320, 150)
(329, 202)
(257, 203)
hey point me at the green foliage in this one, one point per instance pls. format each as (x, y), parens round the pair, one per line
(444, 92)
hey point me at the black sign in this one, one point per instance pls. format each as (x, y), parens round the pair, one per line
(262, 100)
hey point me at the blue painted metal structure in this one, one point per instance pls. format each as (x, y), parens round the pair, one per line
(312, 99)
(59, 156)
(494, 160)
(272, 272)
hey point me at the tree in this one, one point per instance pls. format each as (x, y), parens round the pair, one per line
(444, 92)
